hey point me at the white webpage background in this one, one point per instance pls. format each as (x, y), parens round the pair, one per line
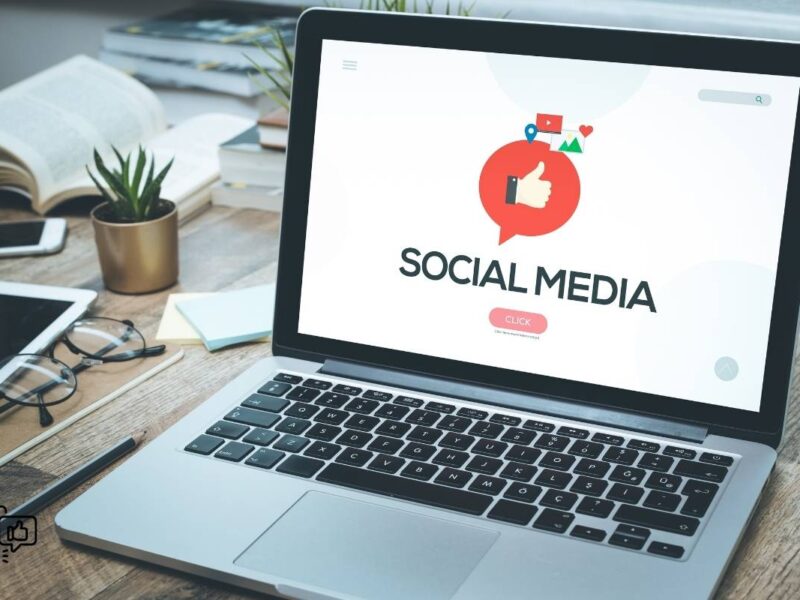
(684, 194)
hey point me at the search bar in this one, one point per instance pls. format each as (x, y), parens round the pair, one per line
(746, 98)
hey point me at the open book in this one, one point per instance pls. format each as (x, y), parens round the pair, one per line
(51, 123)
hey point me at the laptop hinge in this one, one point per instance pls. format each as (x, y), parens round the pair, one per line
(517, 400)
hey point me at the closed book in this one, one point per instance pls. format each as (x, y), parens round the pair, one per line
(225, 34)
(242, 160)
(247, 196)
(273, 129)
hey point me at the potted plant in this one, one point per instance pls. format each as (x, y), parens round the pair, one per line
(136, 230)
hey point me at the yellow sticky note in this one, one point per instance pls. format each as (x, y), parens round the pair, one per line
(174, 327)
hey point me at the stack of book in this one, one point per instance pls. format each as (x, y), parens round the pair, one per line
(201, 47)
(252, 165)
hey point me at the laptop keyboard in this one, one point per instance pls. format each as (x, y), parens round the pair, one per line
(637, 494)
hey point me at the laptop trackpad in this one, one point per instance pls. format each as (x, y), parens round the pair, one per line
(366, 550)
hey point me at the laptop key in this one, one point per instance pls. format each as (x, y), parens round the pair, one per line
(623, 456)
(453, 477)
(301, 411)
(512, 512)
(331, 416)
(265, 458)
(629, 475)
(393, 428)
(417, 451)
(656, 462)
(625, 493)
(408, 401)
(588, 533)
(406, 489)
(486, 447)
(268, 403)
(699, 496)
(537, 425)
(326, 433)
(303, 394)
(456, 441)
(354, 457)
(628, 536)
(392, 411)
(274, 388)
(552, 442)
(518, 471)
(318, 384)
(301, 466)
(291, 443)
(293, 425)
(716, 459)
(322, 450)
(595, 507)
(556, 460)
(664, 549)
(679, 452)
(607, 438)
(419, 470)
(485, 429)
(589, 486)
(332, 400)
(472, 413)
(554, 479)
(347, 389)
(656, 519)
(574, 432)
(662, 500)
(644, 445)
(424, 434)
(450, 458)
(234, 451)
(287, 378)
(505, 420)
(248, 416)
(515, 435)
(204, 444)
(227, 430)
(523, 454)
(487, 485)
(385, 444)
(523, 492)
(585, 449)
(260, 437)
(377, 395)
(554, 520)
(487, 466)
(354, 439)
(696, 470)
(593, 468)
(426, 418)
(386, 463)
(440, 407)
(362, 422)
(558, 499)
(663, 482)
(362, 405)
(454, 423)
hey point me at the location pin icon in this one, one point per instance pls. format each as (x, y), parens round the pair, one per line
(530, 132)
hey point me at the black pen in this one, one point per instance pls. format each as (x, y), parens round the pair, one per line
(68, 483)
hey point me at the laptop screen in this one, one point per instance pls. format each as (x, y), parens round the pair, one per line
(607, 223)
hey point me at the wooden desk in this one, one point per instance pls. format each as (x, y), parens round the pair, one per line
(220, 249)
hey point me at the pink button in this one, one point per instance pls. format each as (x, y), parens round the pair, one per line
(517, 320)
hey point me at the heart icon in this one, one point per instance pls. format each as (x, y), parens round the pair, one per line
(586, 130)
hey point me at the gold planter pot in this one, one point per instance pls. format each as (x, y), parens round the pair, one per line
(136, 258)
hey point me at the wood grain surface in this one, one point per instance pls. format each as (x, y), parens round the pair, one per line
(224, 249)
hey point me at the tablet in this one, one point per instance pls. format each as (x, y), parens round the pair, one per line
(32, 316)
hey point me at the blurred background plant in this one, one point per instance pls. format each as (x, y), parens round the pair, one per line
(283, 56)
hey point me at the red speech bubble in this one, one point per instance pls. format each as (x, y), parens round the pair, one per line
(518, 159)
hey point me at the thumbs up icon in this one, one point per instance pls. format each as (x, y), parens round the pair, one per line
(18, 531)
(530, 190)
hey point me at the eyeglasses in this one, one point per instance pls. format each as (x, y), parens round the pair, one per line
(42, 380)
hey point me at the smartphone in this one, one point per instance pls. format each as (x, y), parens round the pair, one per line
(39, 236)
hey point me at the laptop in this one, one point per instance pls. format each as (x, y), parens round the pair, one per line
(535, 319)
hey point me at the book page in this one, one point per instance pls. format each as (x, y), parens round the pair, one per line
(52, 122)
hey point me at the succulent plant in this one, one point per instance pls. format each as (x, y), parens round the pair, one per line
(131, 196)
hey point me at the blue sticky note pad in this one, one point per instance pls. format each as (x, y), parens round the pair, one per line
(229, 318)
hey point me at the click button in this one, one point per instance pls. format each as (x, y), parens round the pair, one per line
(518, 320)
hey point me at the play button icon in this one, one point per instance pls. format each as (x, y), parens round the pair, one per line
(549, 123)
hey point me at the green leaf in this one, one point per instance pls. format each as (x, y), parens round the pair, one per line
(111, 179)
(141, 161)
(154, 187)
